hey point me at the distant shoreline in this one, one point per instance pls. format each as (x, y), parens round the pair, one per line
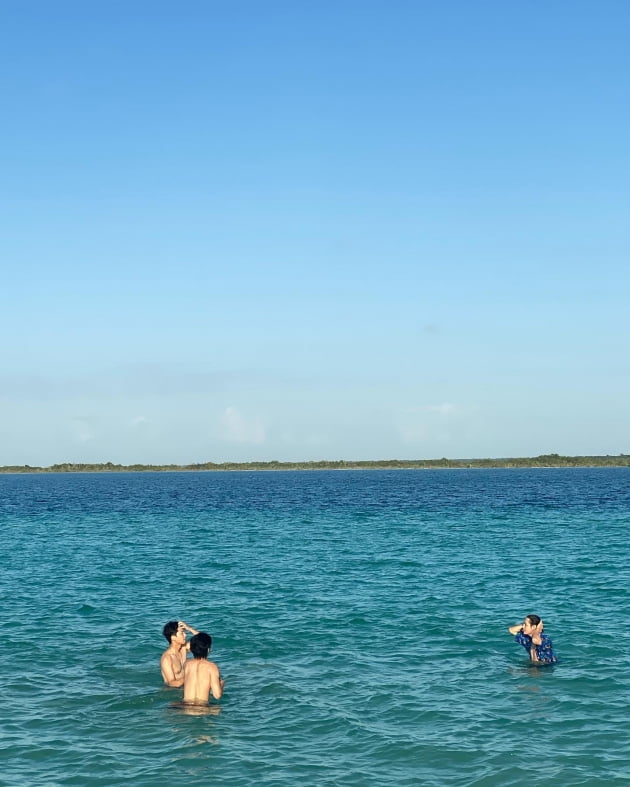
(543, 461)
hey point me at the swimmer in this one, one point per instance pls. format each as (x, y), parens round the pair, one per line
(174, 657)
(201, 677)
(530, 635)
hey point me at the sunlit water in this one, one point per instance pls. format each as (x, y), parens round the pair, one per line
(359, 620)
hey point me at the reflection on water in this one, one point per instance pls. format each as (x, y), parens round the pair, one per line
(206, 739)
(189, 709)
(192, 709)
(531, 671)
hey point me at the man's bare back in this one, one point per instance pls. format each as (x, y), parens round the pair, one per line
(201, 677)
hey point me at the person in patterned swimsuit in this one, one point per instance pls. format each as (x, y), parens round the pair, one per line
(530, 635)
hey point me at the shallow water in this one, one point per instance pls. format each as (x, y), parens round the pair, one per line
(359, 619)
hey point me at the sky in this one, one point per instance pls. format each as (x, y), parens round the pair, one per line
(293, 230)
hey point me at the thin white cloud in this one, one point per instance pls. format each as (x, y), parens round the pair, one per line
(310, 439)
(83, 430)
(429, 422)
(235, 428)
(444, 409)
(161, 380)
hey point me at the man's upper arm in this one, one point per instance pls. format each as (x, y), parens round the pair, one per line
(523, 639)
(215, 682)
(171, 678)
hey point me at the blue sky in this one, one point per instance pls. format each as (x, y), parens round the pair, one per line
(238, 231)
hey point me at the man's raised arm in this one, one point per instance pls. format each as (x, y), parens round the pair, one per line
(537, 634)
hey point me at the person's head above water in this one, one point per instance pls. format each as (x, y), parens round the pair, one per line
(530, 624)
(200, 645)
(173, 629)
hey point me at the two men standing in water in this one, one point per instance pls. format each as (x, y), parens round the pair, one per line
(198, 676)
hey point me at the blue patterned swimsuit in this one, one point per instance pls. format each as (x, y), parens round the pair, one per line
(544, 651)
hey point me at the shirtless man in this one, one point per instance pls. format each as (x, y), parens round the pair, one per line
(200, 676)
(174, 657)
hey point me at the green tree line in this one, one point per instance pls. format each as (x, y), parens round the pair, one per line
(544, 460)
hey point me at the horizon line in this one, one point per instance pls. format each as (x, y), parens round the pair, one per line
(545, 460)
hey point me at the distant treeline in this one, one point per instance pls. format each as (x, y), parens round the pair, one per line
(545, 460)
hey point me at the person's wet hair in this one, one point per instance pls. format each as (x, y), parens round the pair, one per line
(533, 619)
(200, 645)
(170, 629)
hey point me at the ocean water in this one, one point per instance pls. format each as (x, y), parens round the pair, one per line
(359, 619)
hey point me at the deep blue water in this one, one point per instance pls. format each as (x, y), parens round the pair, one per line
(359, 619)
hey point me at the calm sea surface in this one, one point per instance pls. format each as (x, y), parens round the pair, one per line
(359, 619)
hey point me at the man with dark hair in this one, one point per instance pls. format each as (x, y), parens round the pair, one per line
(174, 657)
(201, 677)
(530, 635)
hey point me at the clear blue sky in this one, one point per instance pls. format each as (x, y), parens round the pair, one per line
(342, 229)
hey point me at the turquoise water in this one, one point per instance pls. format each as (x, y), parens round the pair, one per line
(359, 621)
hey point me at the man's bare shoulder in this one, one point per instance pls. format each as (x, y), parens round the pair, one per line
(201, 667)
(205, 666)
